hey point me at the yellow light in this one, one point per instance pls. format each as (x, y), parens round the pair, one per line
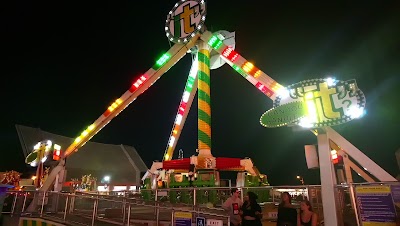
(312, 111)
(257, 74)
(91, 127)
(114, 105)
(309, 95)
(166, 156)
(111, 108)
(247, 67)
(33, 177)
(78, 139)
(276, 86)
(118, 101)
(37, 146)
(84, 133)
(175, 131)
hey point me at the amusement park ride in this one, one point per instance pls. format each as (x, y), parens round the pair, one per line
(314, 104)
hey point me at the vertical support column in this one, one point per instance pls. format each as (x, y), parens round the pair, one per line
(328, 181)
(204, 103)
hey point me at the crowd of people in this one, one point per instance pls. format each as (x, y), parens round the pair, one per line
(249, 213)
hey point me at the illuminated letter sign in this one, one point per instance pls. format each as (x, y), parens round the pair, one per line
(185, 20)
(327, 102)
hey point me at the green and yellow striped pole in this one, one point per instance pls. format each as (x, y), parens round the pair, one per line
(204, 104)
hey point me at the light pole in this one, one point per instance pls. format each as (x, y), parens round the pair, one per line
(301, 179)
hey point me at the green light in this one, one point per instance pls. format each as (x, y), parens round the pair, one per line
(215, 42)
(163, 59)
(189, 84)
(239, 69)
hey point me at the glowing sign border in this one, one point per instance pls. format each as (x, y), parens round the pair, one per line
(297, 111)
(198, 27)
(361, 100)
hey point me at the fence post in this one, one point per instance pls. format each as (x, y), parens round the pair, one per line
(354, 203)
(94, 211)
(194, 196)
(157, 214)
(273, 195)
(172, 217)
(24, 203)
(14, 203)
(123, 208)
(129, 215)
(41, 209)
(66, 208)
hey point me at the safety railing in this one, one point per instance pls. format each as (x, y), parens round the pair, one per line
(88, 209)
(160, 205)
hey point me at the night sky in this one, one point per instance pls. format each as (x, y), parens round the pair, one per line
(65, 62)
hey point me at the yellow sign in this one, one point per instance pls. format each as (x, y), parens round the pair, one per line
(328, 101)
(372, 189)
(187, 215)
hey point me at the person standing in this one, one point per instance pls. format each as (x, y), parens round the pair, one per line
(251, 211)
(233, 205)
(287, 213)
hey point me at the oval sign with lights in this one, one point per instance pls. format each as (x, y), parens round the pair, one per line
(284, 114)
(185, 20)
(327, 102)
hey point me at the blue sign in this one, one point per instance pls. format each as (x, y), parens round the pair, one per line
(375, 205)
(183, 219)
(200, 221)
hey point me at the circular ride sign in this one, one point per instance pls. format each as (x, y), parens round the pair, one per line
(316, 103)
(185, 20)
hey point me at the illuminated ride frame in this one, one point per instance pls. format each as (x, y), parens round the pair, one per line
(185, 27)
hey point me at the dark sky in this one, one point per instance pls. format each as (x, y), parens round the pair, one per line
(65, 62)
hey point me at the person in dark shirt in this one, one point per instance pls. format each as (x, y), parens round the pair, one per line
(287, 213)
(251, 210)
(306, 217)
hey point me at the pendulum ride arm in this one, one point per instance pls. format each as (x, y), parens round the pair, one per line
(183, 110)
(255, 76)
(174, 54)
(142, 84)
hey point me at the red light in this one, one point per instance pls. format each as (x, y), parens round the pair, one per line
(264, 89)
(107, 113)
(138, 83)
(335, 157)
(230, 54)
(56, 155)
(182, 108)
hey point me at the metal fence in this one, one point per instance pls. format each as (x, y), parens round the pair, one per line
(90, 209)
(160, 205)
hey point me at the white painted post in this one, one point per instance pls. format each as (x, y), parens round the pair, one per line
(328, 181)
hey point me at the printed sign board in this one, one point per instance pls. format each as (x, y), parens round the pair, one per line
(214, 222)
(200, 221)
(376, 205)
(182, 219)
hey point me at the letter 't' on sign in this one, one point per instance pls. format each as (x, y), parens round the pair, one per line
(185, 20)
